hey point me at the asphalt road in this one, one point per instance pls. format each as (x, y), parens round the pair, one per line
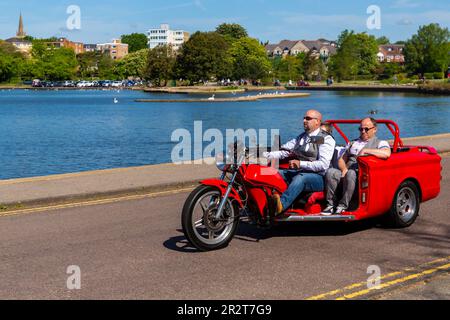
(135, 250)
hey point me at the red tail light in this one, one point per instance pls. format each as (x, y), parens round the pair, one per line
(364, 182)
(364, 176)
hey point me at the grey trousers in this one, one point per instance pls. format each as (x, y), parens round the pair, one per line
(332, 180)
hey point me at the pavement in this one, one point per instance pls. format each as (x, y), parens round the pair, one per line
(129, 181)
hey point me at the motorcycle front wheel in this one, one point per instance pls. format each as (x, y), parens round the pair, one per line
(201, 228)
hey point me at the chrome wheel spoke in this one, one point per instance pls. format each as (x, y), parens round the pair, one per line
(203, 206)
(406, 204)
(198, 223)
(206, 228)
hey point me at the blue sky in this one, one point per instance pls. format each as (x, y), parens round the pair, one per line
(267, 20)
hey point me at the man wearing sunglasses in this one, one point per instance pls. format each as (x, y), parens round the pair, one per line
(367, 144)
(312, 151)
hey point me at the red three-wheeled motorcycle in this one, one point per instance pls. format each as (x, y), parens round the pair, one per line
(393, 188)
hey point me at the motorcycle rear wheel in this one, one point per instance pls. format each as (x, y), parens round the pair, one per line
(200, 227)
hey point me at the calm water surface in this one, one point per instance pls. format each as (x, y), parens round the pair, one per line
(52, 132)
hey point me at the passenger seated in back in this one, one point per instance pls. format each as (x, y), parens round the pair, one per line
(327, 127)
(367, 144)
(338, 151)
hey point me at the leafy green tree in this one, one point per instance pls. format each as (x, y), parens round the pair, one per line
(106, 67)
(51, 63)
(133, 64)
(232, 31)
(160, 65)
(249, 59)
(11, 62)
(356, 55)
(428, 50)
(388, 70)
(96, 65)
(60, 64)
(367, 50)
(314, 68)
(39, 49)
(289, 67)
(343, 64)
(203, 57)
(88, 64)
(383, 40)
(135, 41)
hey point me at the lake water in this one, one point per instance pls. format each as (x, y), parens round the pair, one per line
(53, 132)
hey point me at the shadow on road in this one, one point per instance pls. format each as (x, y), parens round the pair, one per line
(303, 229)
(251, 233)
(180, 244)
(431, 234)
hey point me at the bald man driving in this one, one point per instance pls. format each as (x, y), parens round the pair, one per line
(312, 152)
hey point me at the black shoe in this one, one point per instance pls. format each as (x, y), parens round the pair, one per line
(328, 211)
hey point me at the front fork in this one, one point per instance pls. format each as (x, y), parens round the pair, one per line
(227, 193)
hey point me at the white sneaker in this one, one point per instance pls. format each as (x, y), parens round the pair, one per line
(328, 211)
(340, 210)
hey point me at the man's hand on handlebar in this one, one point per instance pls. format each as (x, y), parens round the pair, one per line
(294, 164)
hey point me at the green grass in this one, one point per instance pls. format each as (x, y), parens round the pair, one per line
(4, 208)
(14, 85)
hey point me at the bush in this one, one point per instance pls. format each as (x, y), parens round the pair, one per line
(365, 77)
(428, 75)
(438, 75)
(402, 76)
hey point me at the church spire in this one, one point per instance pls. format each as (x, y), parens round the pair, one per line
(20, 32)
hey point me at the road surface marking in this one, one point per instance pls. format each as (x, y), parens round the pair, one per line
(92, 202)
(388, 276)
(394, 282)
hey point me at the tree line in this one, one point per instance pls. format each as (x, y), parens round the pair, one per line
(229, 53)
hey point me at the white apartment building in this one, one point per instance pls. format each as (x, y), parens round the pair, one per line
(165, 36)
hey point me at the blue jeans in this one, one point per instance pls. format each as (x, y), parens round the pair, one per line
(298, 182)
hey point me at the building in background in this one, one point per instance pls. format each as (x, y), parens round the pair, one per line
(391, 53)
(90, 47)
(19, 40)
(321, 48)
(116, 49)
(165, 36)
(78, 47)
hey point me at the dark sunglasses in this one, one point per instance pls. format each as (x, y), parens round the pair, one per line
(309, 118)
(365, 129)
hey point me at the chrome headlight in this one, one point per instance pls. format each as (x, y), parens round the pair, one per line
(223, 161)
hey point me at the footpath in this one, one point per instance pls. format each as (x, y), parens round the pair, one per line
(129, 181)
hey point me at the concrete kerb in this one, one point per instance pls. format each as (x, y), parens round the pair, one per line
(73, 198)
(111, 183)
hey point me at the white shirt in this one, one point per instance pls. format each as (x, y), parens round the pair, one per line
(355, 147)
(326, 152)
